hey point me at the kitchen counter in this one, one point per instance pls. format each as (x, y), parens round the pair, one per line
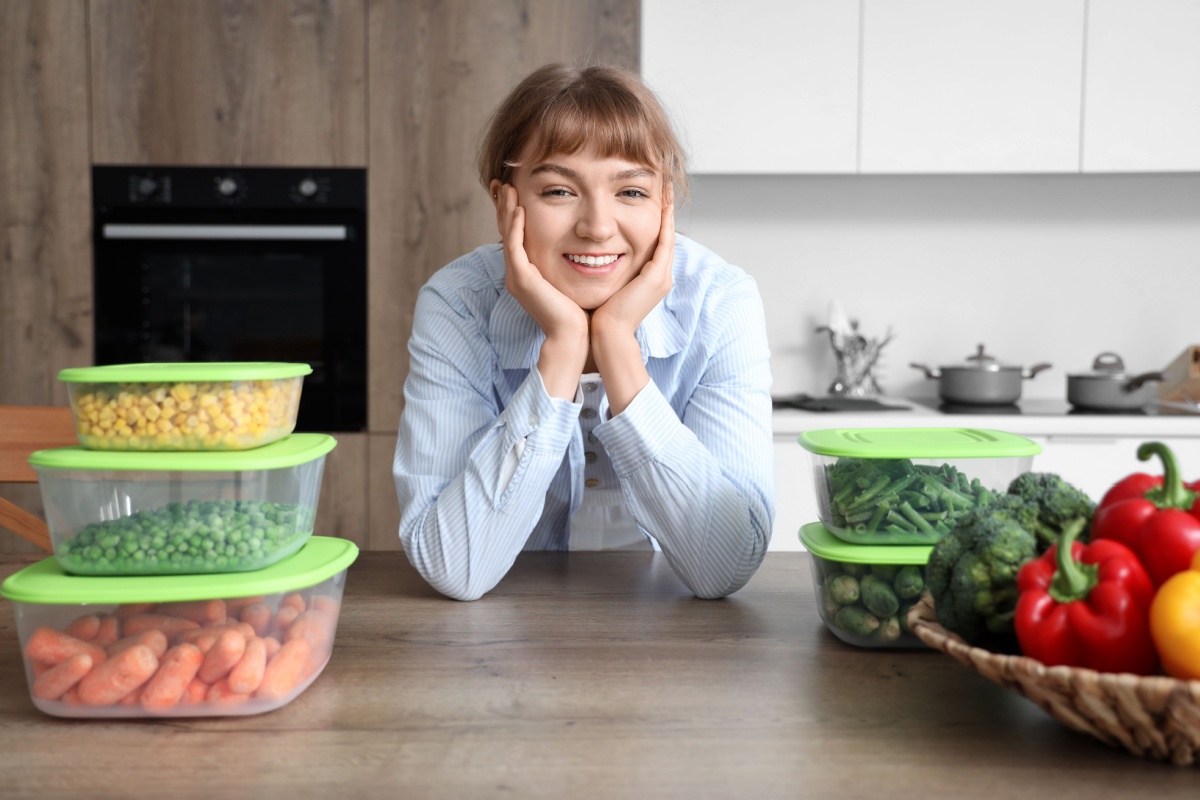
(586, 675)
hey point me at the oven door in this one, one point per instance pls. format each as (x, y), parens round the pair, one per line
(269, 289)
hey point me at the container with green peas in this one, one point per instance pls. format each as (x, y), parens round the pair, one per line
(157, 513)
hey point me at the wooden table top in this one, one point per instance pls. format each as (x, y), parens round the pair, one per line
(585, 675)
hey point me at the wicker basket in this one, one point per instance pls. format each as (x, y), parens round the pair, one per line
(1155, 717)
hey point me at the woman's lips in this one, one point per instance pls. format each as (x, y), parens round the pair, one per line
(592, 264)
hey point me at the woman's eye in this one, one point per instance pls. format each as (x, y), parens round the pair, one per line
(637, 193)
(556, 191)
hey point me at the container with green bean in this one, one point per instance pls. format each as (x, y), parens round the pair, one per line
(909, 486)
(165, 513)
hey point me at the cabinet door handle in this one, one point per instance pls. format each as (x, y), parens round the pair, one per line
(278, 233)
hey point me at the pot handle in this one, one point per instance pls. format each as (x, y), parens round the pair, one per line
(1137, 381)
(931, 374)
(1034, 370)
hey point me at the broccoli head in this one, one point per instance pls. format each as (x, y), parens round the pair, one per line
(1055, 504)
(972, 571)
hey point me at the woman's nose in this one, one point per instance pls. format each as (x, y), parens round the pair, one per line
(596, 221)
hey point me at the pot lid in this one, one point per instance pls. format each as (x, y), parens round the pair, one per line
(982, 362)
(1107, 367)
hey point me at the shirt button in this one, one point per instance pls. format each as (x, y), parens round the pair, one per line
(533, 420)
(591, 483)
(589, 413)
(590, 456)
(589, 387)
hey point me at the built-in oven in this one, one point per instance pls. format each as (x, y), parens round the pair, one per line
(237, 264)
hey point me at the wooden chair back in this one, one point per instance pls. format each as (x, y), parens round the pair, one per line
(24, 429)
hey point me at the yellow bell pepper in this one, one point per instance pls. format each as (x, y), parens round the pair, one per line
(1175, 623)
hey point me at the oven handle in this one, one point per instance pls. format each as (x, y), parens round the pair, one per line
(278, 233)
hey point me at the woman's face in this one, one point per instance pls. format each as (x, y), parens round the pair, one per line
(591, 223)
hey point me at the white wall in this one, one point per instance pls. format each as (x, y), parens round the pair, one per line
(1038, 268)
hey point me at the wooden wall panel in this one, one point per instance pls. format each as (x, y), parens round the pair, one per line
(437, 68)
(255, 82)
(342, 506)
(45, 228)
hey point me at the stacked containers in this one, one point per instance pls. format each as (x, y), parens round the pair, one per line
(182, 532)
(885, 497)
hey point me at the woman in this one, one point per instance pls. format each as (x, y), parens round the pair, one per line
(595, 381)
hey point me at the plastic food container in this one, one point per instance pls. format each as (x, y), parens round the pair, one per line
(175, 513)
(904, 486)
(188, 406)
(178, 646)
(864, 591)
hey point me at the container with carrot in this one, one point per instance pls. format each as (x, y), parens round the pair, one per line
(180, 646)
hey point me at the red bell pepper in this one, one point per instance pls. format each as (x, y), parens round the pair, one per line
(1157, 518)
(1086, 606)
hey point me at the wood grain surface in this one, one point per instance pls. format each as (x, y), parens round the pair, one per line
(587, 675)
(273, 83)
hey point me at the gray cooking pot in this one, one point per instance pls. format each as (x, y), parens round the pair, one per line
(981, 381)
(1108, 386)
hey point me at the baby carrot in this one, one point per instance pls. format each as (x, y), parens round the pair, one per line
(110, 631)
(54, 647)
(295, 601)
(202, 612)
(54, 682)
(84, 628)
(234, 606)
(222, 656)
(176, 670)
(197, 690)
(247, 674)
(156, 640)
(222, 694)
(326, 604)
(203, 639)
(272, 644)
(124, 612)
(313, 626)
(107, 683)
(284, 618)
(171, 626)
(285, 670)
(258, 616)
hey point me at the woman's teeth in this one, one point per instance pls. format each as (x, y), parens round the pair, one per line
(593, 261)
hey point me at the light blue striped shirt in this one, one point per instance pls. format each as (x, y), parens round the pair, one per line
(692, 452)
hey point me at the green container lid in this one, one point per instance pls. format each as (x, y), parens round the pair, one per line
(46, 583)
(817, 539)
(291, 451)
(917, 443)
(174, 372)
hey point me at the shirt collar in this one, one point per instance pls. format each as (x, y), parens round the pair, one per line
(518, 339)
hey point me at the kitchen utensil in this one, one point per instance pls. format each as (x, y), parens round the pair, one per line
(184, 406)
(1109, 386)
(982, 380)
(298, 599)
(856, 613)
(168, 513)
(918, 460)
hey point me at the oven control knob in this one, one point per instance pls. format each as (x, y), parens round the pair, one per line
(227, 187)
(147, 186)
(308, 187)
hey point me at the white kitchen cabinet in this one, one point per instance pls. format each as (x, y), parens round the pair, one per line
(1142, 94)
(757, 86)
(983, 86)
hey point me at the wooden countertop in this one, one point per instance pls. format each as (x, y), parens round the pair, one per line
(585, 675)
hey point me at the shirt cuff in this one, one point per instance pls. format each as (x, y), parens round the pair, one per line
(639, 433)
(545, 422)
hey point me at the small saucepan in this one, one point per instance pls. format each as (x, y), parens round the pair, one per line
(981, 381)
(1109, 387)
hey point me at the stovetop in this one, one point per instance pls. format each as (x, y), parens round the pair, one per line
(1044, 407)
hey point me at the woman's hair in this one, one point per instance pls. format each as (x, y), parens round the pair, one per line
(563, 109)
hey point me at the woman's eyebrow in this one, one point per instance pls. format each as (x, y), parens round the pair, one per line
(567, 172)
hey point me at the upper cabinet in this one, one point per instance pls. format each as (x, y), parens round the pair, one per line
(951, 86)
(1142, 97)
(929, 86)
(237, 82)
(757, 86)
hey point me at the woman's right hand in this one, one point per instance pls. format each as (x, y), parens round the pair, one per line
(562, 320)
